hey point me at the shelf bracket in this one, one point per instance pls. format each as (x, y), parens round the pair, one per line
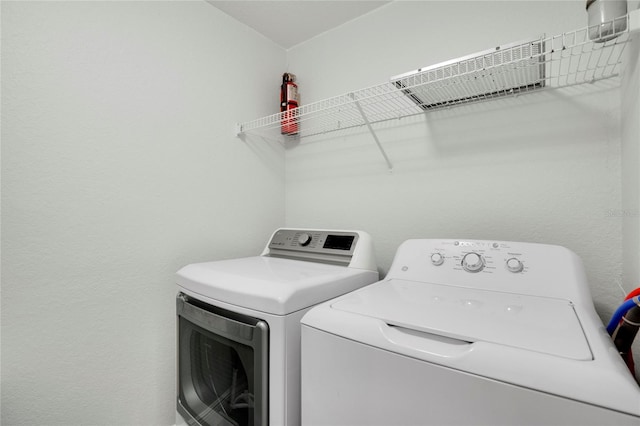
(375, 137)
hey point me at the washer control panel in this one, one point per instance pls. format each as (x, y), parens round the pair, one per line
(527, 268)
(479, 256)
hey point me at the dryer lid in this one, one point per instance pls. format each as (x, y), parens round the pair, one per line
(538, 324)
(272, 285)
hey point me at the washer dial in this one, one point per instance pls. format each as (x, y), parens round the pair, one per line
(472, 262)
(437, 259)
(514, 265)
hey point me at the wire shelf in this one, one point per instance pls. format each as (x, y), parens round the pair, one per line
(545, 63)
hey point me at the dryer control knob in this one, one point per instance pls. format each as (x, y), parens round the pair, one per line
(304, 239)
(514, 265)
(472, 262)
(437, 259)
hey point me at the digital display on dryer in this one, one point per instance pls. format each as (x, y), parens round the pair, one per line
(338, 242)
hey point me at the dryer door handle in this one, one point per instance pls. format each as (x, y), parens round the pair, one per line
(428, 344)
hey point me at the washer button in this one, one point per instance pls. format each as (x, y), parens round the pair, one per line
(472, 262)
(437, 259)
(514, 265)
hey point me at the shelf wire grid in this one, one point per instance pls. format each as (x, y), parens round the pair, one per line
(546, 63)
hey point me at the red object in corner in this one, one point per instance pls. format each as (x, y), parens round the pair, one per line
(288, 105)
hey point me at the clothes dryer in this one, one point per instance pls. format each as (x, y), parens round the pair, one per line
(466, 332)
(238, 324)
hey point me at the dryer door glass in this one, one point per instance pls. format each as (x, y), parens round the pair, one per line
(222, 366)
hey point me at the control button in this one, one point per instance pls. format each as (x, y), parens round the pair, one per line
(437, 259)
(304, 239)
(514, 265)
(472, 262)
(513, 309)
(472, 304)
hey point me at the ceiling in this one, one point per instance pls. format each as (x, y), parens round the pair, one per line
(289, 23)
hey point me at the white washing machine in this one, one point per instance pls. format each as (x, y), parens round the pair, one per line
(239, 324)
(466, 332)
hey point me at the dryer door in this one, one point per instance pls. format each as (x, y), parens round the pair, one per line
(222, 366)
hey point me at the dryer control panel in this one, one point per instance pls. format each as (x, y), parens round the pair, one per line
(324, 246)
(308, 241)
(524, 268)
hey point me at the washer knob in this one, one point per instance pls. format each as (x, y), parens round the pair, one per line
(304, 239)
(514, 265)
(437, 259)
(472, 262)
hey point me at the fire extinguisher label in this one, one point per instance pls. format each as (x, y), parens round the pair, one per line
(292, 92)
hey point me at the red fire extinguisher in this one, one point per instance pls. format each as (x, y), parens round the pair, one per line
(288, 105)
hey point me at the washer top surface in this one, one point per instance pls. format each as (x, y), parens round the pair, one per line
(534, 323)
(514, 294)
(273, 285)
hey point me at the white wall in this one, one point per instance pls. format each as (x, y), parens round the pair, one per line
(630, 212)
(542, 167)
(120, 165)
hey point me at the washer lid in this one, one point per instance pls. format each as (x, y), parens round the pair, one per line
(272, 285)
(538, 324)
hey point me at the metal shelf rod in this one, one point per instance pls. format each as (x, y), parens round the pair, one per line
(373, 133)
